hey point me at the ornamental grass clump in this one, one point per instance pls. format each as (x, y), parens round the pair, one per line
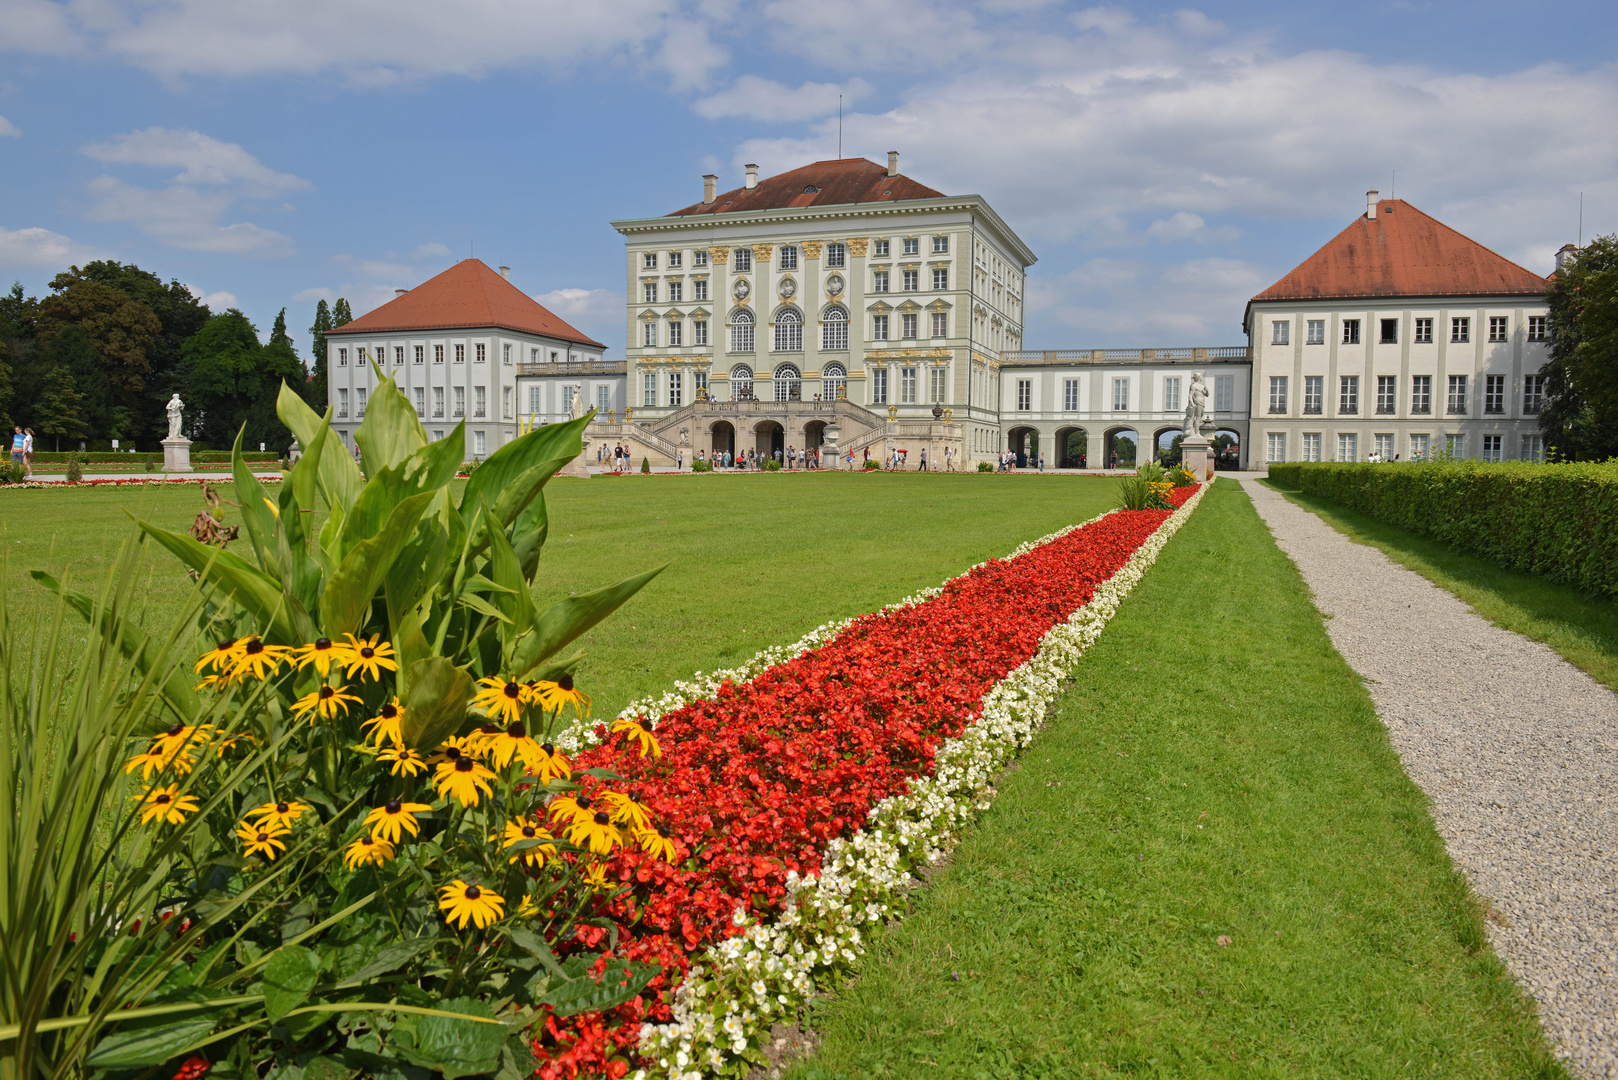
(348, 813)
(1146, 488)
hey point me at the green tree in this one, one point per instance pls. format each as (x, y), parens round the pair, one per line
(341, 315)
(123, 330)
(100, 412)
(314, 391)
(232, 380)
(1580, 417)
(5, 384)
(59, 411)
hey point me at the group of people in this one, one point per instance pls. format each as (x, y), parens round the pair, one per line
(613, 459)
(790, 458)
(1008, 461)
(22, 449)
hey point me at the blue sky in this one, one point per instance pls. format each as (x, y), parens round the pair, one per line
(1164, 162)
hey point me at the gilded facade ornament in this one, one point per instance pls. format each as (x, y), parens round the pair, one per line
(835, 285)
(811, 248)
(720, 255)
(893, 412)
(857, 246)
(763, 252)
(788, 288)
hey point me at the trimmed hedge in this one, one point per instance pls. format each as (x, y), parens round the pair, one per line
(52, 457)
(1557, 520)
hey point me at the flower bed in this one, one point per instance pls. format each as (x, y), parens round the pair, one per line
(38, 485)
(804, 789)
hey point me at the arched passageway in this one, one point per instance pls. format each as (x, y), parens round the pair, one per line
(1071, 448)
(769, 438)
(1165, 444)
(814, 434)
(724, 438)
(1024, 442)
(1227, 448)
(1121, 447)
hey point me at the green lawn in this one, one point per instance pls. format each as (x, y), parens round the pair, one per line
(1215, 772)
(753, 560)
(1581, 627)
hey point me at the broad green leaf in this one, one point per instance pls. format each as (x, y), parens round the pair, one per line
(142, 1047)
(431, 467)
(258, 593)
(528, 535)
(175, 686)
(288, 978)
(347, 599)
(505, 465)
(340, 479)
(515, 602)
(256, 514)
(390, 957)
(390, 432)
(537, 947)
(621, 982)
(435, 706)
(454, 1047)
(567, 619)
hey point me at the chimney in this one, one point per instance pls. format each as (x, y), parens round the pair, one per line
(1565, 255)
(399, 292)
(710, 188)
(752, 177)
(893, 163)
(505, 272)
(1370, 205)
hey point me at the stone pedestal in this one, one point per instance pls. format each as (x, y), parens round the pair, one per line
(177, 454)
(577, 467)
(1196, 454)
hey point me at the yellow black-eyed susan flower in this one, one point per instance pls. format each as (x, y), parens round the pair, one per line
(367, 850)
(454, 749)
(502, 744)
(528, 908)
(387, 725)
(327, 701)
(369, 656)
(550, 765)
(277, 813)
(562, 692)
(181, 738)
(500, 698)
(402, 761)
(387, 820)
(165, 804)
(568, 809)
(523, 829)
(221, 658)
(625, 810)
(640, 733)
(323, 654)
(462, 779)
(597, 832)
(595, 877)
(656, 841)
(262, 839)
(258, 659)
(470, 904)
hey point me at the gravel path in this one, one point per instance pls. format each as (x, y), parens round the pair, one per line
(1518, 751)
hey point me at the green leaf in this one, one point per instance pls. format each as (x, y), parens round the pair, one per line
(505, 465)
(390, 432)
(257, 592)
(528, 535)
(567, 619)
(347, 599)
(535, 945)
(515, 602)
(621, 982)
(146, 1046)
(288, 978)
(390, 957)
(340, 480)
(435, 707)
(255, 514)
(454, 1047)
(428, 469)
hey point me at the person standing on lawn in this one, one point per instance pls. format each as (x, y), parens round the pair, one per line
(27, 452)
(16, 446)
(922, 466)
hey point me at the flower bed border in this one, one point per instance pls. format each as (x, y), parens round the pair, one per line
(39, 485)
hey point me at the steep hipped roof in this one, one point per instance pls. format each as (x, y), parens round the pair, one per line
(467, 296)
(1403, 252)
(825, 183)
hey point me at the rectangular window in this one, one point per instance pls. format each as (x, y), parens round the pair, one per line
(505, 354)
(1348, 447)
(648, 334)
(1499, 330)
(1419, 445)
(1120, 395)
(567, 398)
(1384, 446)
(940, 324)
(1314, 394)
(482, 352)
(1421, 394)
(936, 385)
(398, 355)
(342, 357)
(1317, 332)
(1224, 393)
(1494, 393)
(480, 401)
(788, 258)
(649, 389)
(676, 389)
(907, 325)
(460, 354)
(438, 354)
(1387, 389)
(505, 402)
(699, 289)
(907, 386)
(1070, 395)
(1424, 332)
(460, 401)
(1278, 394)
(1275, 450)
(676, 292)
(699, 332)
(675, 258)
(912, 245)
(1311, 446)
(1533, 448)
(940, 278)
(421, 354)
(1536, 328)
(342, 401)
(912, 280)
(676, 332)
(879, 281)
(1491, 448)
(744, 260)
(1281, 332)
(648, 261)
(648, 291)
(1025, 394)
(438, 400)
(480, 443)
(420, 396)
(1351, 331)
(535, 399)
(699, 257)
(1460, 330)
(1171, 394)
(359, 402)
(940, 244)
(1390, 332)
(1457, 395)
(879, 249)
(604, 393)
(1533, 394)
(1348, 395)
(836, 256)
(741, 334)
(879, 328)
(1455, 446)
(879, 386)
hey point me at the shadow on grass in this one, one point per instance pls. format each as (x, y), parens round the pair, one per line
(1581, 627)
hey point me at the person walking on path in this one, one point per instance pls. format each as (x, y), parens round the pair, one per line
(922, 465)
(16, 447)
(679, 461)
(27, 452)
(1042, 461)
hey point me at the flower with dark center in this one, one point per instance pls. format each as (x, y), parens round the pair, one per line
(387, 820)
(282, 813)
(462, 779)
(596, 831)
(263, 839)
(470, 904)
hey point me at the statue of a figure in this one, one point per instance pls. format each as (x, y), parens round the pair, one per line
(1196, 407)
(576, 408)
(174, 406)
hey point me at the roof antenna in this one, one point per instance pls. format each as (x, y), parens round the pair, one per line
(839, 127)
(1581, 219)
(1393, 188)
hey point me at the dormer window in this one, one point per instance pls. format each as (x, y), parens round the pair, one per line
(811, 190)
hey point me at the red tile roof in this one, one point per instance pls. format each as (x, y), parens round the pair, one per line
(837, 183)
(1403, 252)
(469, 295)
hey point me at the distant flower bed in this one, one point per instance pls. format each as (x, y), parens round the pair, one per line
(38, 485)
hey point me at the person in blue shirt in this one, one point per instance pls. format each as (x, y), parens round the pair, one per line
(16, 446)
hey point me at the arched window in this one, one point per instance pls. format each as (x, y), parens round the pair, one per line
(834, 330)
(789, 331)
(833, 382)
(741, 380)
(788, 383)
(741, 332)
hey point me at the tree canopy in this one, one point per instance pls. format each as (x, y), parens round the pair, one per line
(233, 381)
(1580, 417)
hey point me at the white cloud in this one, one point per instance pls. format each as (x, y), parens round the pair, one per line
(1188, 226)
(41, 249)
(38, 26)
(573, 304)
(8, 128)
(1199, 302)
(203, 160)
(317, 293)
(183, 217)
(430, 250)
(766, 99)
(875, 35)
(219, 301)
